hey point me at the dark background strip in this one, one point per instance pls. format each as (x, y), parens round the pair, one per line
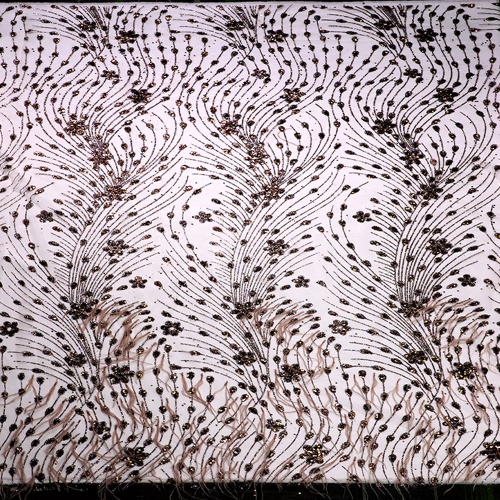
(242, 491)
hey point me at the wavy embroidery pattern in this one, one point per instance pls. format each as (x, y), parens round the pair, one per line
(249, 243)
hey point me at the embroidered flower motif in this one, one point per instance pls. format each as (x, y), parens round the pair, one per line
(276, 247)
(277, 36)
(243, 310)
(100, 153)
(245, 358)
(45, 216)
(412, 73)
(340, 327)
(410, 308)
(80, 310)
(138, 282)
(9, 328)
(134, 457)
(275, 425)
(203, 217)
(110, 74)
(88, 26)
(426, 35)
(362, 217)
(430, 191)
(445, 95)
(260, 74)
(172, 328)
(99, 427)
(383, 126)
(291, 373)
(120, 374)
(452, 422)
(229, 127)
(301, 282)
(114, 192)
(256, 151)
(467, 280)
(129, 36)
(416, 357)
(76, 360)
(292, 95)
(139, 96)
(412, 155)
(464, 371)
(115, 247)
(439, 247)
(76, 127)
(314, 454)
(273, 190)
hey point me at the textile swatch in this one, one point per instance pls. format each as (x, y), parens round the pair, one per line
(249, 242)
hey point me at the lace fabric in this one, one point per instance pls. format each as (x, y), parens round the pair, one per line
(249, 242)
